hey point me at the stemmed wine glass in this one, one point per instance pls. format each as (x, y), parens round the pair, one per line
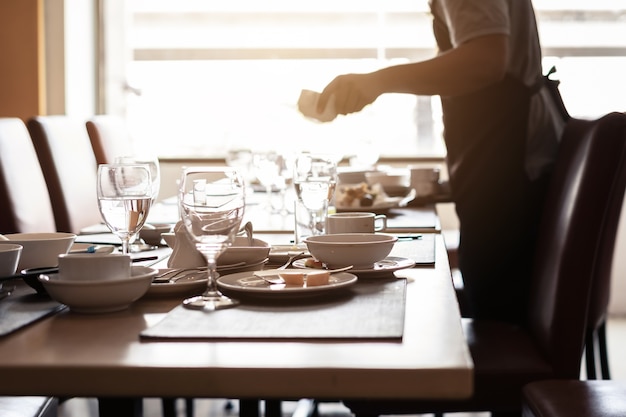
(124, 199)
(211, 202)
(268, 168)
(153, 164)
(315, 179)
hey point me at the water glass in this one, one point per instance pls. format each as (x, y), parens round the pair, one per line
(124, 198)
(315, 180)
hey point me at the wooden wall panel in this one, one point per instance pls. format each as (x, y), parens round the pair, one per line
(22, 92)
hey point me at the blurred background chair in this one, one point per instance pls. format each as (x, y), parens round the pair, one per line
(24, 199)
(69, 166)
(109, 138)
(507, 357)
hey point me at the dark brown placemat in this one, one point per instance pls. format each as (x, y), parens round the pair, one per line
(24, 307)
(373, 309)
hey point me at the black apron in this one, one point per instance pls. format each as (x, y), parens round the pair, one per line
(497, 205)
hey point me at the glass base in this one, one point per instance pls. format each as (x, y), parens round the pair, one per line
(210, 301)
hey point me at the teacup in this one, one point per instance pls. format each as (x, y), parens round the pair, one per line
(355, 222)
(94, 266)
(9, 258)
(424, 180)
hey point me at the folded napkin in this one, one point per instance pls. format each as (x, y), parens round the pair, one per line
(184, 254)
(307, 104)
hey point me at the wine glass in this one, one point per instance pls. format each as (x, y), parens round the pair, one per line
(211, 201)
(124, 199)
(315, 179)
(153, 164)
(268, 168)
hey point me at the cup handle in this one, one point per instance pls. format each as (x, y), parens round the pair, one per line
(381, 219)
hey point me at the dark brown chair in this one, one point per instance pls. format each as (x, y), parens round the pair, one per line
(24, 199)
(69, 166)
(109, 138)
(506, 357)
(558, 398)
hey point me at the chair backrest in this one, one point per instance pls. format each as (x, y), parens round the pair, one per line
(109, 137)
(69, 166)
(590, 163)
(24, 200)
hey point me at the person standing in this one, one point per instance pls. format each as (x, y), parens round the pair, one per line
(499, 133)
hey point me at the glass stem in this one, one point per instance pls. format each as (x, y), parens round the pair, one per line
(126, 245)
(212, 274)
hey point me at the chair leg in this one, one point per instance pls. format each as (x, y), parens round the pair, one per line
(590, 360)
(603, 351)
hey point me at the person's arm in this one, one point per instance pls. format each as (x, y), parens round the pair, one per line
(471, 66)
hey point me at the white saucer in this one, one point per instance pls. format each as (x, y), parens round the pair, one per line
(381, 269)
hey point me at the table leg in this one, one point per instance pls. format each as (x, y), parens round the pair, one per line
(249, 408)
(273, 408)
(120, 407)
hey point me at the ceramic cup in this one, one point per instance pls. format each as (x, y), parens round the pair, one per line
(355, 222)
(9, 258)
(424, 180)
(94, 266)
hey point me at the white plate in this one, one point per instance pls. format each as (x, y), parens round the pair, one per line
(188, 284)
(385, 204)
(100, 296)
(246, 283)
(381, 269)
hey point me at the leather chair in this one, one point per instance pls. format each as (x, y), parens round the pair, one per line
(24, 199)
(554, 398)
(25, 208)
(109, 138)
(69, 166)
(508, 357)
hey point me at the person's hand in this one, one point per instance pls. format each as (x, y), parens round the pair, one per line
(352, 93)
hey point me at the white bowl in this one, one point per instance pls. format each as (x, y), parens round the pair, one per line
(9, 258)
(362, 250)
(151, 233)
(389, 180)
(40, 249)
(100, 296)
(241, 251)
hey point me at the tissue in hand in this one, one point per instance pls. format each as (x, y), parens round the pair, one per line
(307, 104)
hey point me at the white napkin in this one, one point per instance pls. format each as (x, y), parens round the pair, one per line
(184, 254)
(307, 104)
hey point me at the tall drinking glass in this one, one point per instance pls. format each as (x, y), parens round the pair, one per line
(211, 202)
(315, 179)
(124, 199)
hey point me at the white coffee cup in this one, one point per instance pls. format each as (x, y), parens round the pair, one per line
(424, 180)
(355, 222)
(94, 266)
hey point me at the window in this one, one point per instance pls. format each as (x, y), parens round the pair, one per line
(220, 75)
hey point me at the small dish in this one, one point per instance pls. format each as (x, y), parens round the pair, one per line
(93, 297)
(380, 269)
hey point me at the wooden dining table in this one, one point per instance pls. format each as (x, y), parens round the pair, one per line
(104, 355)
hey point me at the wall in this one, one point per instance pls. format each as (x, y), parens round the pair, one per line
(22, 87)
